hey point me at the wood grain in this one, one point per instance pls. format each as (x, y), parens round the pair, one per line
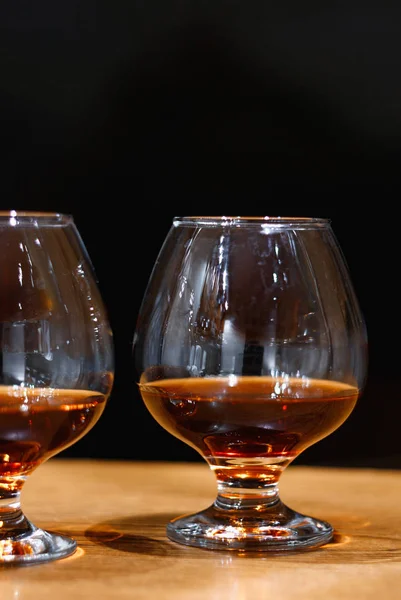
(117, 511)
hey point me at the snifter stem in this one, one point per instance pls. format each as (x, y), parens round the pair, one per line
(237, 495)
(20, 540)
(12, 520)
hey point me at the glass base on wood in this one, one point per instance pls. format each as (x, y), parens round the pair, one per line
(284, 530)
(36, 547)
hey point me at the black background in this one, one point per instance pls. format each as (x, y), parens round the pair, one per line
(125, 114)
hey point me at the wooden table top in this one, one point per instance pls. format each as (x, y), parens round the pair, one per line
(117, 512)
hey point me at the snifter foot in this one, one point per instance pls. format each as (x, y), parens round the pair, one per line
(218, 530)
(37, 547)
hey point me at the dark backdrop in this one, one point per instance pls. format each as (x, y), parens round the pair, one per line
(127, 113)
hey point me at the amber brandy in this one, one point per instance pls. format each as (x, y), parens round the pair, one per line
(249, 426)
(36, 423)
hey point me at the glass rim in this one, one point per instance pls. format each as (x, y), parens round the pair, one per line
(238, 221)
(31, 217)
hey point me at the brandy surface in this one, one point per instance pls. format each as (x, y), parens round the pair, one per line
(245, 426)
(36, 423)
